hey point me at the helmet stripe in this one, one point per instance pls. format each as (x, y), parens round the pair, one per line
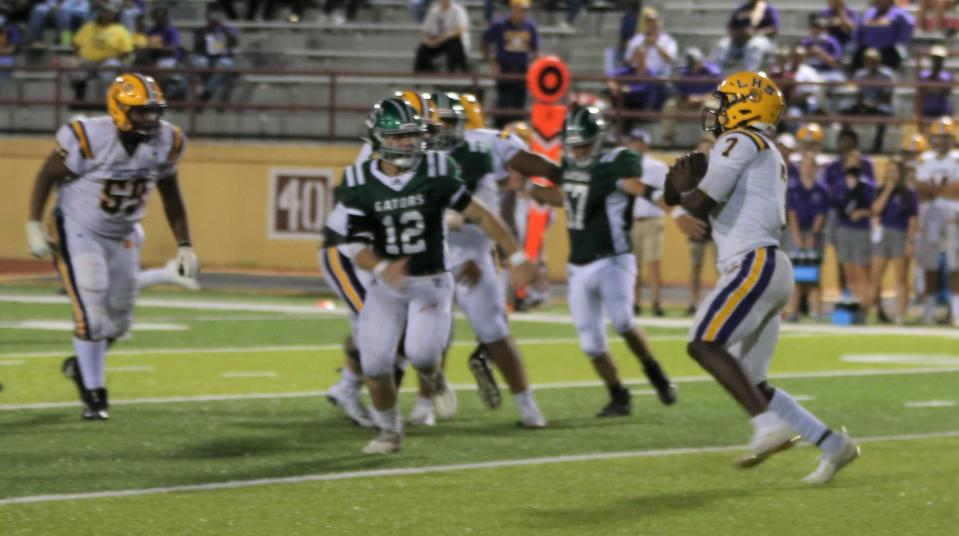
(151, 97)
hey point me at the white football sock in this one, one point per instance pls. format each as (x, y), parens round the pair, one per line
(955, 307)
(387, 420)
(764, 421)
(92, 356)
(802, 421)
(351, 379)
(156, 276)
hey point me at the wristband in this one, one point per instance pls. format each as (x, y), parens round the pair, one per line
(184, 244)
(380, 267)
(518, 258)
(677, 212)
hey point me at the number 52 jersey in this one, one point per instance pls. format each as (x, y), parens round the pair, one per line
(107, 195)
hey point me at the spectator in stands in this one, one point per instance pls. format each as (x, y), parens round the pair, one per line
(806, 94)
(642, 95)
(825, 51)
(758, 15)
(786, 143)
(131, 10)
(516, 41)
(10, 40)
(419, 8)
(886, 28)
(840, 21)
(740, 50)
(853, 197)
(661, 49)
(647, 229)
(847, 145)
(102, 42)
(213, 47)
(445, 32)
(897, 207)
(164, 51)
(936, 102)
(689, 95)
(65, 16)
(628, 25)
(337, 18)
(938, 8)
(269, 8)
(17, 11)
(807, 202)
(874, 100)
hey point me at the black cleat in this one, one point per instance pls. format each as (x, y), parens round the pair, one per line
(881, 315)
(664, 389)
(657, 310)
(95, 403)
(621, 406)
(486, 387)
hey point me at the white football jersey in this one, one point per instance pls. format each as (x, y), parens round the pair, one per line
(108, 194)
(504, 145)
(654, 174)
(938, 170)
(747, 177)
(366, 152)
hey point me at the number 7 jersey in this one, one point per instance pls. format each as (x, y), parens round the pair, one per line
(403, 215)
(107, 195)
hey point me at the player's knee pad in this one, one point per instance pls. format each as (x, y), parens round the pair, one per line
(376, 367)
(423, 355)
(120, 322)
(622, 321)
(592, 343)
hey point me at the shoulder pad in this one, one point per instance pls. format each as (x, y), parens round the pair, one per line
(437, 164)
(612, 155)
(354, 176)
(83, 138)
(756, 139)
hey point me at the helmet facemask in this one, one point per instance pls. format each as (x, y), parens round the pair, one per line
(582, 152)
(714, 117)
(450, 132)
(403, 147)
(145, 120)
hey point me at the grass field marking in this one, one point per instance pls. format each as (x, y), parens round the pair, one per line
(11, 363)
(903, 359)
(472, 387)
(67, 325)
(241, 374)
(685, 323)
(130, 368)
(380, 473)
(930, 404)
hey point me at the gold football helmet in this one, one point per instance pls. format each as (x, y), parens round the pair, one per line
(944, 126)
(474, 111)
(915, 143)
(136, 102)
(521, 129)
(746, 99)
(810, 133)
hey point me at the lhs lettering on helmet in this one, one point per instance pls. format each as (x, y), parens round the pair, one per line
(399, 203)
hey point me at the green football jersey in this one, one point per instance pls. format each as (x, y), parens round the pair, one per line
(402, 216)
(475, 160)
(598, 215)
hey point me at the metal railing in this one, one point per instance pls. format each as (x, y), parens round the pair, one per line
(334, 81)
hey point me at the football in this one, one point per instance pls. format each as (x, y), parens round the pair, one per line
(687, 171)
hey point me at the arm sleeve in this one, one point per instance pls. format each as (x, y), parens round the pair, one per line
(727, 160)
(452, 189)
(429, 23)
(69, 145)
(359, 225)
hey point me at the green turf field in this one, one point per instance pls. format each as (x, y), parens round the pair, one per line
(219, 426)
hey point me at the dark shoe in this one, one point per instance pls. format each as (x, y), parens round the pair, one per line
(619, 407)
(658, 310)
(91, 403)
(691, 310)
(486, 387)
(637, 310)
(664, 389)
(881, 315)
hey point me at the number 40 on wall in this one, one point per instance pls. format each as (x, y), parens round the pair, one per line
(299, 201)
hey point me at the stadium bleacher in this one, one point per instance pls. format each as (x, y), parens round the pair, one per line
(383, 39)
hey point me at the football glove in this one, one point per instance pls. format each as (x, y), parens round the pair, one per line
(187, 264)
(38, 239)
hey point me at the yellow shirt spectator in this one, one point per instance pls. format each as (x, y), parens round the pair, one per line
(96, 43)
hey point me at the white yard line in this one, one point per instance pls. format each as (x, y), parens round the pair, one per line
(135, 368)
(472, 387)
(241, 374)
(449, 468)
(930, 404)
(522, 317)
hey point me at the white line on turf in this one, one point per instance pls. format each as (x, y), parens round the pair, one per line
(11, 363)
(472, 387)
(525, 317)
(379, 473)
(131, 368)
(930, 404)
(233, 374)
(67, 325)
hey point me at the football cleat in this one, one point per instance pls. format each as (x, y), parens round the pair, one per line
(619, 406)
(423, 413)
(347, 399)
(531, 418)
(767, 443)
(486, 387)
(91, 409)
(173, 271)
(664, 389)
(830, 465)
(387, 442)
(444, 398)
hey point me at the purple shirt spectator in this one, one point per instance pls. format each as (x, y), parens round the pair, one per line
(641, 95)
(834, 176)
(849, 201)
(826, 42)
(698, 88)
(514, 44)
(936, 102)
(9, 36)
(884, 29)
(168, 36)
(902, 205)
(807, 203)
(769, 22)
(215, 40)
(833, 26)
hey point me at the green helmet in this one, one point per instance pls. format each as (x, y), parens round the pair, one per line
(452, 117)
(584, 126)
(396, 117)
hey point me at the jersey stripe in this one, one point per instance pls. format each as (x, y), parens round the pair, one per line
(64, 265)
(349, 177)
(81, 134)
(755, 270)
(339, 268)
(431, 164)
(758, 140)
(360, 174)
(176, 146)
(610, 156)
(444, 164)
